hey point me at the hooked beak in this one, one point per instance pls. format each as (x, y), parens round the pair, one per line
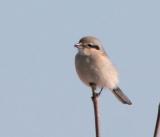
(78, 45)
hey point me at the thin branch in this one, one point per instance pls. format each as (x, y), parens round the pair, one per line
(95, 100)
(157, 128)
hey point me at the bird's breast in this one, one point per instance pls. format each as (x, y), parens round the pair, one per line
(96, 69)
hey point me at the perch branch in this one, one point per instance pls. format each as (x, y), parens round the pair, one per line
(95, 100)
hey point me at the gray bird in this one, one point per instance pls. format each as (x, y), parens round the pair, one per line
(93, 66)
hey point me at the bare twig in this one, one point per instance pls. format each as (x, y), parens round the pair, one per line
(157, 128)
(95, 99)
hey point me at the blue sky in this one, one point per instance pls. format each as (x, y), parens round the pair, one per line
(40, 93)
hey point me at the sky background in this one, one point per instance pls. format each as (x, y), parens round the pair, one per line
(40, 92)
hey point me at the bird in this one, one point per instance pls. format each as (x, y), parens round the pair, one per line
(95, 68)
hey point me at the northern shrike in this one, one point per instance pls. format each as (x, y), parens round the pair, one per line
(94, 67)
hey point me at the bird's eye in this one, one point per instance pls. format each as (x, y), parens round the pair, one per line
(89, 45)
(94, 46)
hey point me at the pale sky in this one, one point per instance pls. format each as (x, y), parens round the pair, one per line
(40, 92)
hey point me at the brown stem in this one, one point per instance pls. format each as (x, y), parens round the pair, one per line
(95, 99)
(157, 128)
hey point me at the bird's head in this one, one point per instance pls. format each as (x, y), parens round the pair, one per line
(89, 44)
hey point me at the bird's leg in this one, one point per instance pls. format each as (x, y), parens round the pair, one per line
(93, 87)
(99, 93)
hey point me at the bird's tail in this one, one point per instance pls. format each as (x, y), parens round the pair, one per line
(121, 96)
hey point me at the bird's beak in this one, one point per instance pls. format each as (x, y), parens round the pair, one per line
(78, 45)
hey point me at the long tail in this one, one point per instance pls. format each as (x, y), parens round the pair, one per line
(121, 96)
